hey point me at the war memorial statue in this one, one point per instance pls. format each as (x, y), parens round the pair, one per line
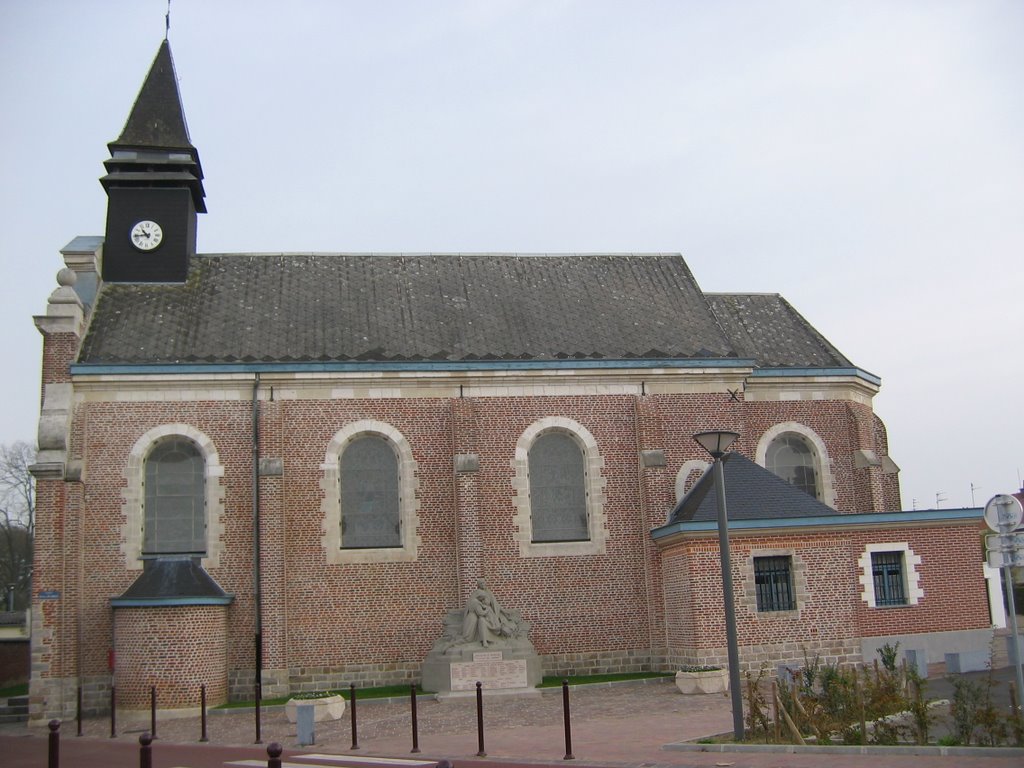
(482, 642)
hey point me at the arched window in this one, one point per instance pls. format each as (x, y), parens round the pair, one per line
(687, 477)
(370, 498)
(175, 499)
(791, 458)
(370, 515)
(558, 490)
(558, 496)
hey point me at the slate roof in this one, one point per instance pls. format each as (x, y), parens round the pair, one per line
(765, 327)
(402, 307)
(157, 120)
(752, 493)
(442, 307)
(174, 578)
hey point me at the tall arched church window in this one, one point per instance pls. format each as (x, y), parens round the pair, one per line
(558, 495)
(558, 490)
(175, 499)
(370, 510)
(791, 458)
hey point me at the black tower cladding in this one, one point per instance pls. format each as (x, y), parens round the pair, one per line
(154, 186)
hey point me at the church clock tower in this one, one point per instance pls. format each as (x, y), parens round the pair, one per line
(154, 186)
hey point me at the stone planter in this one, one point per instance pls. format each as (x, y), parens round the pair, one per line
(327, 708)
(710, 681)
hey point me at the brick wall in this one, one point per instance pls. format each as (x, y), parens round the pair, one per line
(950, 574)
(175, 649)
(831, 615)
(625, 607)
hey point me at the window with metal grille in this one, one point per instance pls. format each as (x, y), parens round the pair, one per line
(773, 580)
(792, 459)
(369, 495)
(887, 573)
(558, 496)
(175, 503)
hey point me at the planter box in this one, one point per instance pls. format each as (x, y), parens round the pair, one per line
(712, 681)
(327, 708)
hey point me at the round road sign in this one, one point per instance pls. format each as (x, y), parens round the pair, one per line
(1003, 513)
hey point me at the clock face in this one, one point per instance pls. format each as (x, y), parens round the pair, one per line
(146, 235)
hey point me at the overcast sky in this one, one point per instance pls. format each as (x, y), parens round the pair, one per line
(863, 159)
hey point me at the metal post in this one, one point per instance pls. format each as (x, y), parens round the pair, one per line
(735, 694)
(415, 725)
(1018, 663)
(152, 711)
(352, 702)
(113, 712)
(78, 713)
(274, 751)
(566, 720)
(259, 715)
(202, 707)
(481, 752)
(53, 757)
(145, 751)
(1014, 710)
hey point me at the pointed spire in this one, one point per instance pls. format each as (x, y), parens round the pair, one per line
(154, 148)
(157, 119)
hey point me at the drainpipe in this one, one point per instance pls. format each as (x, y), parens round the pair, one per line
(257, 593)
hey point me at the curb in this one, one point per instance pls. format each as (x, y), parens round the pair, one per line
(821, 749)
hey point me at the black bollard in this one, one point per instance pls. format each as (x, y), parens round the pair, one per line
(566, 719)
(152, 712)
(415, 725)
(481, 752)
(78, 713)
(202, 708)
(274, 751)
(145, 751)
(259, 717)
(113, 712)
(53, 760)
(352, 702)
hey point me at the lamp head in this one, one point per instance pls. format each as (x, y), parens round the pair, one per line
(716, 443)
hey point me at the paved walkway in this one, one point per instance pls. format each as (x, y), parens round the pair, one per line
(620, 725)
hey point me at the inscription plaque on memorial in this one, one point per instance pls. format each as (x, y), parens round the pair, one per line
(491, 674)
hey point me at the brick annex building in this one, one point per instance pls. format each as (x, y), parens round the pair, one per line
(289, 467)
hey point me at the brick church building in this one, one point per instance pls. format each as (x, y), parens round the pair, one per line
(285, 469)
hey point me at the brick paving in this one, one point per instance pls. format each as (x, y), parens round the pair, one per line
(625, 725)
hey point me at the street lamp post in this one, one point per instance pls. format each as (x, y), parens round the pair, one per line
(717, 443)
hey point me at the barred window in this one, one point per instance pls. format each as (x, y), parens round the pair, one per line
(773, 581)
(889, 581)
(175, 514)
(370, 516)
(791, 458)
(558, 497)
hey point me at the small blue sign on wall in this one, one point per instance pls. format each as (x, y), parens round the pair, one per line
(49, 594)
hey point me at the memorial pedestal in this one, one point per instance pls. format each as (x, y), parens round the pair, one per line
(458, 670)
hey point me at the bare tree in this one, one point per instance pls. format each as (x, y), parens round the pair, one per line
(17, 521)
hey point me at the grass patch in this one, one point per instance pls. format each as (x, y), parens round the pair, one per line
(556, 682)
(383, 692)
(394, 691)
(14, 690)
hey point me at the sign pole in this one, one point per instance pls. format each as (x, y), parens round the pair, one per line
(1003, 514)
